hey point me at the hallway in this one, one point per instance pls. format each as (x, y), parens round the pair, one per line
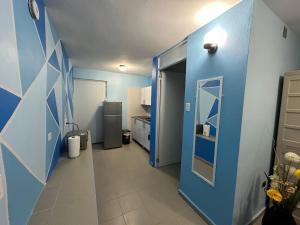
(131, 192)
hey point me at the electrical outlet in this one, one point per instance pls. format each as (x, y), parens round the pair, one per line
(187, 106)
(49, 136)
(1, 188)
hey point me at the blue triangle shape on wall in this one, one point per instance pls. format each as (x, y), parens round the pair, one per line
(54, 61)
(40, 24)
(23, 189)
(214, 109)
(53, 106)
(31, 56)
(8, 104)
(65, 57)
(52, 76)
(212, 83)
(52, 128)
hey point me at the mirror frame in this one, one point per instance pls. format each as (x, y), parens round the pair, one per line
(211, 182)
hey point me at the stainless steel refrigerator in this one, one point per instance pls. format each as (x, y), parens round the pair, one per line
(112, 124)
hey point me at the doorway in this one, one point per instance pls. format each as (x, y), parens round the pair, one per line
(171, 112)
(88, 106)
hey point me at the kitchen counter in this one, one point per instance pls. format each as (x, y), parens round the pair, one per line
(145, 119)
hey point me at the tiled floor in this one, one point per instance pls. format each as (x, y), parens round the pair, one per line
(131, 192)
(69, 197)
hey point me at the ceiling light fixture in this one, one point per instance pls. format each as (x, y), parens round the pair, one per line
(122, 68)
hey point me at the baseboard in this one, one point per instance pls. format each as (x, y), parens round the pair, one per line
(197, 210)
(256, 216)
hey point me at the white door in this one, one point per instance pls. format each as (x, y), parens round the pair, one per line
(171, 118)
(88, 106)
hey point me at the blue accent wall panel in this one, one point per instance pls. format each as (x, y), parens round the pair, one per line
(153, 110)
(23, 189)
(8, 104)
(230, 62)
(31, 55)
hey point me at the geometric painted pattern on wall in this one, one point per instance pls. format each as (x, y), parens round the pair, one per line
(23, 189)
(55, 157)
(52, 76)
(25, 132)
(30, 50)
(52, 133)
(29, 107)
(50, 43)
(3, 198)
(53, 106)
(9, 63)
(209, 94)
(66, 58)
(40, 25)
(8, 104)
(54, 61)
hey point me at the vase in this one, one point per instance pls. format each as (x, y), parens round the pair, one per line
(277, 215)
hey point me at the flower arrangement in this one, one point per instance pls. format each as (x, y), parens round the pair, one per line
(284, 183)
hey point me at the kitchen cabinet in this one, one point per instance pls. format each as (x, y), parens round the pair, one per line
(146, 96)
(141, 132)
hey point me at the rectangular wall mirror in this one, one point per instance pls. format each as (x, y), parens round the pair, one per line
(207, 120)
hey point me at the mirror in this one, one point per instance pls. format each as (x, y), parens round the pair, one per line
(207, 120)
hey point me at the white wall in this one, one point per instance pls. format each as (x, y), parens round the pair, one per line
(134, 105)
(270, 56)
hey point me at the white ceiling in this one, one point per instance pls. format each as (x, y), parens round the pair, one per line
(288, 11)
(102, 34)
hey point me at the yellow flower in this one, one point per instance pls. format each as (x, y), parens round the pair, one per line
(297, 173)
(274, 194)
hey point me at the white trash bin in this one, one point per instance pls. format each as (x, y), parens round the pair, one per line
(74, 146)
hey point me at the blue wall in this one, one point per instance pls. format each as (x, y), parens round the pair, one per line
(117, 84)
(230, 61)
(35, 99)
(153, 111)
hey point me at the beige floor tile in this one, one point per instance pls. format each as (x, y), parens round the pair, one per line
(131, 202)
(190, 218)
(74, 214)
(117, 221)
(47, 199)
(139, 217)
(109, 210)
(41, 218)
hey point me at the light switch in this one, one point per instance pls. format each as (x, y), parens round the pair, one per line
(187, 106)
(49, 136)
(1, 188)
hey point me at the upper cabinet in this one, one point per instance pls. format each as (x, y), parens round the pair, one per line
(146, 95)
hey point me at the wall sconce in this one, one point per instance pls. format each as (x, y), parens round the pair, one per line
(211, 47)
(214, 39)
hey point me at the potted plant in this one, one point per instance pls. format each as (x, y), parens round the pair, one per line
(283, 190)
